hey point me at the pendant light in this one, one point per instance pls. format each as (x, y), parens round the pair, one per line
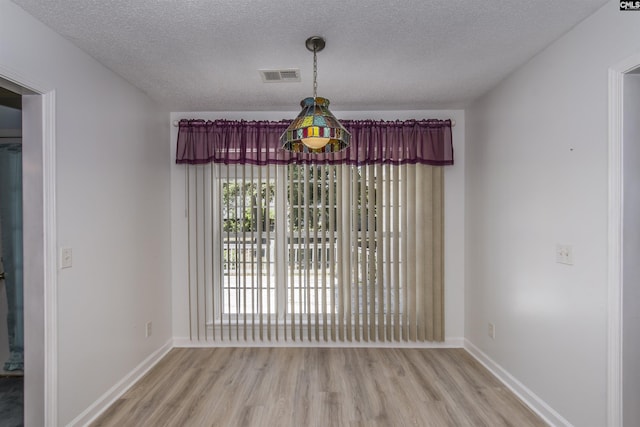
(315, 130)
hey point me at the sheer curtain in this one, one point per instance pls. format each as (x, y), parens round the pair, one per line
(341, 248)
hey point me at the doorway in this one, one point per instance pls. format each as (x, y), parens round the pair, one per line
(11, 261)
(39, 242)
(623, 374)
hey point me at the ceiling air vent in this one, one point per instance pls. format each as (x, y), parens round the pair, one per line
(280, 76)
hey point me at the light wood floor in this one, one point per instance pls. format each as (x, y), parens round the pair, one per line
(301, 387)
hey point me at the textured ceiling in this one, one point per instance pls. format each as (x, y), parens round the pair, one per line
(203, 55)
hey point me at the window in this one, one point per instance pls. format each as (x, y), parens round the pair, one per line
(319, 252)
(343, 246)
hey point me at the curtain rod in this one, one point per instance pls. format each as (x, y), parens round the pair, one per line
(176, 122)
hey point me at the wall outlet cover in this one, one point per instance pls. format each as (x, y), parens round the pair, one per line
(66, 257)
(492, 331)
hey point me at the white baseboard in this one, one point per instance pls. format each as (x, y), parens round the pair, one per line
(185, 342)
(533, 401)
(92, 412)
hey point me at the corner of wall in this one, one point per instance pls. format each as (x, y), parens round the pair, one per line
(533, 401)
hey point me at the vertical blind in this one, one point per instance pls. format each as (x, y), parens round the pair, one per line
(314, 251)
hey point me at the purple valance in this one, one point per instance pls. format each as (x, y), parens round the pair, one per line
(258, 143)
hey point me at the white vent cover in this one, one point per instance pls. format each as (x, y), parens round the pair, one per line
(280, 76)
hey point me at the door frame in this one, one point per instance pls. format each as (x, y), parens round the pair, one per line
(40, 240)
(615, 239)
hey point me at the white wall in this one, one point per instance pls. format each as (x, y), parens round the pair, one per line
(454, 212)
(537, 176)
(631, 251)
(112, 210)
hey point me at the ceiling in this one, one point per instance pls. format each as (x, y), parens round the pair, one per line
(204, 55)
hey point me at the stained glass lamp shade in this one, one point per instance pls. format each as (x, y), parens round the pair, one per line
(315, 130)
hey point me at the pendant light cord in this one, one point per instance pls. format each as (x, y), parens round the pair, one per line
(315, 73)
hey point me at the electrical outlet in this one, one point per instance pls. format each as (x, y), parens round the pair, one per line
(147, 331)
(492, 331)
(564, 254)
(66, 257)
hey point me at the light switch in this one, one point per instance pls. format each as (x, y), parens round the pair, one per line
(66, 257)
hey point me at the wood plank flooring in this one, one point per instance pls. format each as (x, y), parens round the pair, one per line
(301, 387)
